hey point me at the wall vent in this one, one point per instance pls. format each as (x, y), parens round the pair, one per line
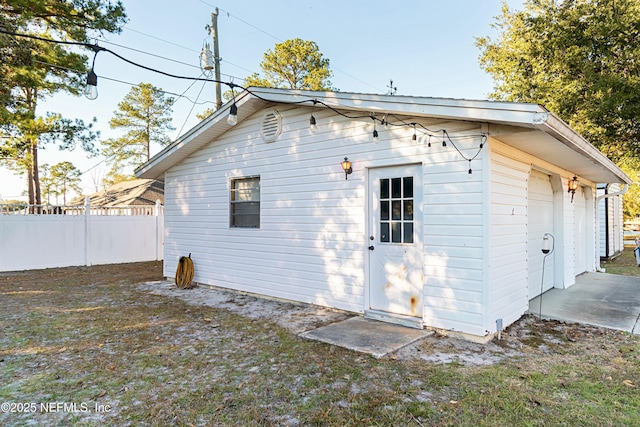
(271, 126)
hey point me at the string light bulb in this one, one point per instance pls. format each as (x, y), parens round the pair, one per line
(376, 137)
(312, 124)
(91, 89)
(92, 93)
(414, 138)
(232, 119)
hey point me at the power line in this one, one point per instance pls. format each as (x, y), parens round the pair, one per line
(243, 21)
(166, 59)
(233, 109)
(191, 110)
(125, 82)
(191, 50)
(280, 40)
(162, 40)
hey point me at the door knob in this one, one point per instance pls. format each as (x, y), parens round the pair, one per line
(371, 248)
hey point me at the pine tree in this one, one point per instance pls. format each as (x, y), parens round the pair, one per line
(145, 115)
(32, 70)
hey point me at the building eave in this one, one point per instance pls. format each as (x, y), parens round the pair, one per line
(543, 129)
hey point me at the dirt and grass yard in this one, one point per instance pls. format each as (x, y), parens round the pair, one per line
(92, 346)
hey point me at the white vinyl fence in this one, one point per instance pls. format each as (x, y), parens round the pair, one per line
(34, 237)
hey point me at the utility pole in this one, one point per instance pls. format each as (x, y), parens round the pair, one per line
(216, 56)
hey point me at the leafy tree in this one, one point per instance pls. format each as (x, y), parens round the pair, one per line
(293, 64)
(145, 115)
(116, 178)
(577, 58)
(36, 69)
(206, 113)
(59, 180)
(47, 185)
(631, 199)
(66, 178)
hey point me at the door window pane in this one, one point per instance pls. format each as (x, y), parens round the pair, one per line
(396, 188)
(384, 210)
(384, 231)
(396, 232)
(408, 232)
(408, 187)
(396, 209)
(384, 188)
(408, 210)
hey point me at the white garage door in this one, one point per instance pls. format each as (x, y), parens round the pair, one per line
(539, 222)
(579, 223)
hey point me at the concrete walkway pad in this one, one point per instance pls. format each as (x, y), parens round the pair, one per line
(366, 336)
(599, 299)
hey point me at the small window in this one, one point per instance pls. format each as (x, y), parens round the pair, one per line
(245, 202)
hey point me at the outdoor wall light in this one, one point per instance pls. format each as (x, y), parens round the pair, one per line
(346, 166)
(573, 186)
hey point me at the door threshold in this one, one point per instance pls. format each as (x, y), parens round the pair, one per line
(398, 319)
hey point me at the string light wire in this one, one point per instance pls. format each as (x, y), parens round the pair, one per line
(232, 86)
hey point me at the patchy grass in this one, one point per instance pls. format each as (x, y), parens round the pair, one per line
(90, 337)
(625, 264)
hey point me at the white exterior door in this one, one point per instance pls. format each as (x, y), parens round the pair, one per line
(395, 252)
(539, 221)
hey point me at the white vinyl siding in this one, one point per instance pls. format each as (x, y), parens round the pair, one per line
(311, 245)
(508, 239)
(454, 238)
(308, 247)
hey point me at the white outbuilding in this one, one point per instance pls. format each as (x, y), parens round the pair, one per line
(425, 212)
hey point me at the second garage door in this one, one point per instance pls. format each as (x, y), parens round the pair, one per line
(539, 221)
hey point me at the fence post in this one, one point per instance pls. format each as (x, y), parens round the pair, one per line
(87, 230)
(157, 211)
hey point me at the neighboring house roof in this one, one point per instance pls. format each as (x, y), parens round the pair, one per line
(527, 127)
(128, 193)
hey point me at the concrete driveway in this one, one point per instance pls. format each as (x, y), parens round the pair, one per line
(599, 299)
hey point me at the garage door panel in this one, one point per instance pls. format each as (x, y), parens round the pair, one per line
(539, 221)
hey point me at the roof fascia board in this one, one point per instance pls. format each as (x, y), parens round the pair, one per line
(561, 131)
(472, 110)
(183, 140)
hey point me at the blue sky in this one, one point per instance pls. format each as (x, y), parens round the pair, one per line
(426, 47)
